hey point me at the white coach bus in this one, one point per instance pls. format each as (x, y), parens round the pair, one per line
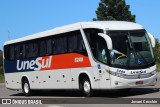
(87, 56)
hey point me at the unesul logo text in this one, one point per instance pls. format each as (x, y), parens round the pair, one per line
(34, 64)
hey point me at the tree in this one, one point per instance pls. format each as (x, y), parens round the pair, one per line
(1, 58)
(1, 63)
(157, 51)
(114, 10)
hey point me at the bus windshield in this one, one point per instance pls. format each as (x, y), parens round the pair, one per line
(131, 49)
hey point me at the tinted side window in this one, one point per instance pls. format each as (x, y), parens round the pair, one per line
(35, 49)
(12, 52)
(7, 52)
(23, 51)
(98, 45)
(75, 43)
(31, 49)
(17, 51)
(49, 46)
(60, 45)
(28, 50)
(42, 47)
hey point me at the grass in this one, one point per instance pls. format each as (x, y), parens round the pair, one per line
(1, 78)
(1, 75)
(158, 67)
(1, 68)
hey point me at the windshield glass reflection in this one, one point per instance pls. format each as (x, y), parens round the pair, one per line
(130, 49)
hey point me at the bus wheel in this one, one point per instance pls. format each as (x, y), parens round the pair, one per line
(26, 88)
(86, 87)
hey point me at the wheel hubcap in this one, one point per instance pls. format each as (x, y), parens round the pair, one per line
(26, 88)
(87, 87)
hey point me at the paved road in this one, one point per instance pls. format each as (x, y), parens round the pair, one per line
(62, 98)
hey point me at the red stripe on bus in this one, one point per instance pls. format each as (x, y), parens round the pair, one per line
(71, 60)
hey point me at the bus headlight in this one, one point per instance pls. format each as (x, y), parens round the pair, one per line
(119, 75)
(153, 72)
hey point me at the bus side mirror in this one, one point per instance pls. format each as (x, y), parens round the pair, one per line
(152, 39)
(107, 39)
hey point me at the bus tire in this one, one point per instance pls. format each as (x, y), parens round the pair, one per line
(26, 88)
(86, 87)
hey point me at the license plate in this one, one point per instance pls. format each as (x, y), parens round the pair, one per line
(139, 82)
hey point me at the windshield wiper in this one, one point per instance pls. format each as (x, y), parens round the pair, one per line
(132, 47)
(128, 53)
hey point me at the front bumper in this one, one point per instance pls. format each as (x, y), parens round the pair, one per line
(121, 83)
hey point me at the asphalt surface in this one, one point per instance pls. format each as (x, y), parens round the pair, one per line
(68, 98)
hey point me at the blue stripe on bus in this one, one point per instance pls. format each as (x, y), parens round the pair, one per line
(11, 66)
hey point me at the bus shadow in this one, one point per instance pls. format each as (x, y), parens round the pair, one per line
(106, 93)
(133, 92)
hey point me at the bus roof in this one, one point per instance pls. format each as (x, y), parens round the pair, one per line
(105, 25)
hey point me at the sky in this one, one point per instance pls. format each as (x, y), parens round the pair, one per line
(19, 18)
